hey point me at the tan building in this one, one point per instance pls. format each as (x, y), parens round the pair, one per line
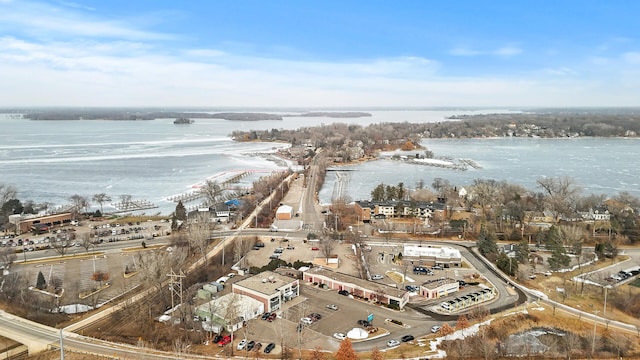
(270, 288)
(25, 224)
(357, 287)
(434, 289)
(284, 212)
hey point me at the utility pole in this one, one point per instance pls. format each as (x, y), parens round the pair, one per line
(175, 285)
(593, 342)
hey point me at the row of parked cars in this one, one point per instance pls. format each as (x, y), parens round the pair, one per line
(623, 275)
(244, 344)
(252, 345)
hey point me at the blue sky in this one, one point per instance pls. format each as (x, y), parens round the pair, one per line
(319, 53)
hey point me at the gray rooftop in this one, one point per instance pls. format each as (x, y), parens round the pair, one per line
(266, 282)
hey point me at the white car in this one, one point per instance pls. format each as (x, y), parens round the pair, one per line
(392, 343)
(332, 306)
(435, 328)
(377, 277)
(242, 344)
(340, 336)
(306, 320)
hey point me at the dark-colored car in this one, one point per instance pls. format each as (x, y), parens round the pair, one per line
(269, 347)
(364, 323)
(250, 345)
(407, 338)
(265, 315)
(343, 292)
(271, 317)
(217, 338)
(315, 316)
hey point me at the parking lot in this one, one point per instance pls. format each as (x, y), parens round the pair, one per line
(297, 249)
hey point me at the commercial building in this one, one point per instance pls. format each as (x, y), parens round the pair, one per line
(434, 289)
(433, 255)
(359, 288)
(269, 288)
(27, 223)
(228, 312)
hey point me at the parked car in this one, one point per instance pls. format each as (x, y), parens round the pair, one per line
(242, 344)
(306, 320)
(332, 306)
(315, 248)
(225, 340)
(315, 316)
(435, 328)
(257, 347)
(411, 288)
(343, 292)
(269, 347)
(393, 342)
(265, 316)
(364, 323)
(339, 336)
(407, 338)
(260, 244)
(377, 277)
(271, 317)
(250, 345)
(217, 339)
(436, 267)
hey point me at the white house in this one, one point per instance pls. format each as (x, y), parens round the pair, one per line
(229, 312)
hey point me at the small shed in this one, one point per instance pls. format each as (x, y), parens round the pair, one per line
(284, 212)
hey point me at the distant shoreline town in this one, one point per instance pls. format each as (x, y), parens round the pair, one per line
(120, 115)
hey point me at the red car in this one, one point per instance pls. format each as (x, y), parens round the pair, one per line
(315, 248)
(225, 340)
(271, 317)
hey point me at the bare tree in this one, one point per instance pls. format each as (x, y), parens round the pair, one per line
(212, 191)
(7, 192)
(78, 203)
(561, 194)
(571, 343)
(241, 246)
(85, 241)
(326, 248)
(62, 245)
(200, 234)
(101, 199)
(154, 265)
(7, 256)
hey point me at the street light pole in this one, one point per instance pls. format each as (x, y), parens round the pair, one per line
(593, 341)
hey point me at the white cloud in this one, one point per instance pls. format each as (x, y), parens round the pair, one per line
(44, 20)
(632, 57)
(505, 51)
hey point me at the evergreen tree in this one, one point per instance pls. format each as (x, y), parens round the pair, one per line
(507, 264)
(522, 251)
(487, 244)
(559, 258)
(41, 283)
(378, 193)
(181, 212)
